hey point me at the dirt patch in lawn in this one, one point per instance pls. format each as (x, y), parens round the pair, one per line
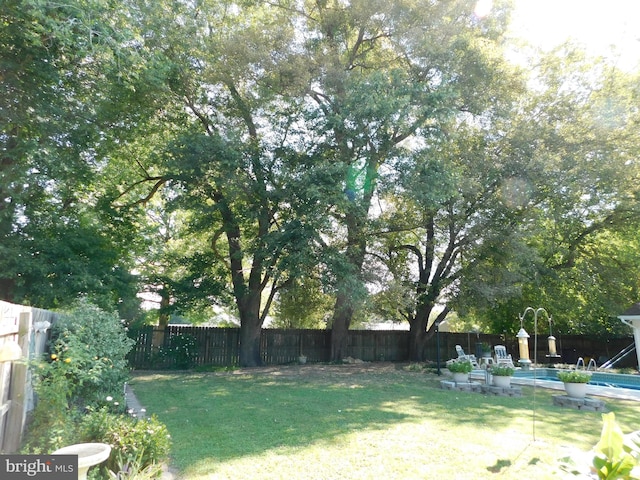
(314, 371)
(318, 370)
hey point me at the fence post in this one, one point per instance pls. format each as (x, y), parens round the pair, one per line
(17, 391)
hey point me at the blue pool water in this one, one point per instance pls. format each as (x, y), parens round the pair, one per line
(620, 385)
(603, 379)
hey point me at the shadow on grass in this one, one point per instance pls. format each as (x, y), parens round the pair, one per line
(224, 417)
(215, 418)
(499, 465)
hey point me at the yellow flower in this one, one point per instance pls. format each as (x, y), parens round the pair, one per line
(67, 360)
(54, 356)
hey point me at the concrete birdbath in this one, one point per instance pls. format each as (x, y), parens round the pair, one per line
(89, 455)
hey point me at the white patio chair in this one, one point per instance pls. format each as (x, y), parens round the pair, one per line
(463, 356)
(502, 357)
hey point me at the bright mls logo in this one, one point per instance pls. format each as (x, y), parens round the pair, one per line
(45, 467)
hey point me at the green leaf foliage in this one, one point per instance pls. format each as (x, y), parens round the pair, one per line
(613, 459)
(89, 350)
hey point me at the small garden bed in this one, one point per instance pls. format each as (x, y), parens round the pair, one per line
(80, 398)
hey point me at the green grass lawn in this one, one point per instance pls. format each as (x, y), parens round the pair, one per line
(378, 422)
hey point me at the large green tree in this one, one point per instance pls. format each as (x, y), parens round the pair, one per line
(583, 130)
(228, 158)
(293, 110)
(450, 226)
(530, 202)
(389, 74)
(579, 192)
(306, 146)
(54, 63)
(296, 107)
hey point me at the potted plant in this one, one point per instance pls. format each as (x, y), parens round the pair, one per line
(460, 369)
(502, 375)
(486, 350)
(575, 382)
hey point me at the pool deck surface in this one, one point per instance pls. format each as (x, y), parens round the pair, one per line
(592, 390)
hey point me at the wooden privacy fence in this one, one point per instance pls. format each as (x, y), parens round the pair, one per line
(220, 346)
(27, 328)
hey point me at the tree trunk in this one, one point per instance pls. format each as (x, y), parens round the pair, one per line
(247, 293)
(417, 335)
(418, 330)
(250, 333)
(342, 314)
(418, 338)
(157, 340)
(165, 304)
(347, 297)
(250, 329)
(348, 294)
(6, 289)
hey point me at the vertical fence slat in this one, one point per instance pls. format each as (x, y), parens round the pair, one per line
(221, 346)
(9, 332)
(18, 388)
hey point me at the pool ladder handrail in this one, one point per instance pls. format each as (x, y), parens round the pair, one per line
(592, 363)
(619, 356)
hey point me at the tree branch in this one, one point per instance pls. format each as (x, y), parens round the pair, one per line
(159, 182)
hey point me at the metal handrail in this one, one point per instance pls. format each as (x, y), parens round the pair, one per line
(619, 356)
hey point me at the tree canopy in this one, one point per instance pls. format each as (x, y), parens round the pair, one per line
(381, 157)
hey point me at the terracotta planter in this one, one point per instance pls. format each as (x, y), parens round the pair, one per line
(502, 381)
(576, 390)
(460, 377)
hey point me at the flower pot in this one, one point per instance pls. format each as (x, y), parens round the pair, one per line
(460, 377)
(302, 359)
(576, 390)
(502, 381)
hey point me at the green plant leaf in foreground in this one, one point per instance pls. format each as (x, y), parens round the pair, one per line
(611, 460)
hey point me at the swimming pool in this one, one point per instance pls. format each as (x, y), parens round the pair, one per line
(603, 379)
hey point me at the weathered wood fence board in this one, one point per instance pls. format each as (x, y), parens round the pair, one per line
(280, 346)
(220, 346)
(28, 327)
(8, 333)
(20, 391)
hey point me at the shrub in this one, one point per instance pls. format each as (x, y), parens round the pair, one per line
(502, 370)
(181, 352)
(460, 366)
(86, 365)
(89, 350)
(133, 472)
(136, 443)
(52, 423)
(574, 376)
(616, 455)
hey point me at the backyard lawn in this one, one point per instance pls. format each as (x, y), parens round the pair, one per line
(371, 421)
